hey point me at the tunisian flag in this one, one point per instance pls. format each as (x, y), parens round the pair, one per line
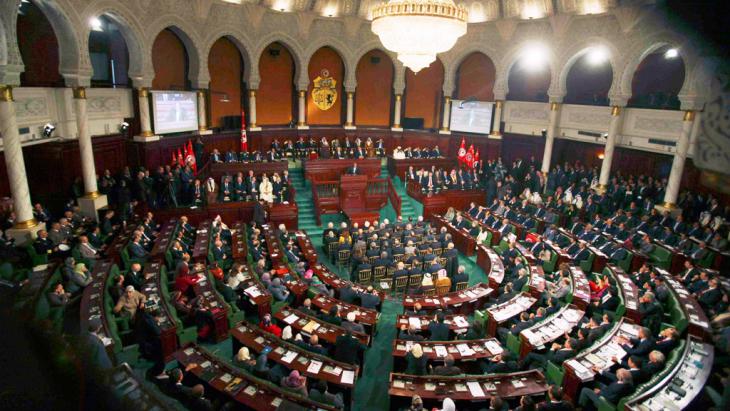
(180, 159)
(462, 151)
(469, 160)
(476, 158)
(244, 138)
(190, 157)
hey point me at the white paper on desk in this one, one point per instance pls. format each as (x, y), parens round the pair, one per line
(289, 357)
(440, 351)
(518, 383)
(348, 377)
(414, 322)
(276, 402)
(253, 291)
(291, 319)
(314, 367)
(475, 389)
(399, 384)
(494, 347)
(464, 350)
(461, 322)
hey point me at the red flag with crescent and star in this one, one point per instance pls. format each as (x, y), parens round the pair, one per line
(469, 160)
(462, 151)
(244, 138)
(190, 157)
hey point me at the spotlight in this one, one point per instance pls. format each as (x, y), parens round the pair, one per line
(597, 56)
(123, 127)
(96, 24)
(48, 130)
(601, 156)
(671, 54)
(534, 57)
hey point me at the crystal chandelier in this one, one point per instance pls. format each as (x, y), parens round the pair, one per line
(419, 29)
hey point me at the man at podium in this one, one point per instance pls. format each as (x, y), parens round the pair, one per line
(353, 171)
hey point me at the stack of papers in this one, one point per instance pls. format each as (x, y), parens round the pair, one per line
(291, 319)
(440, 351)
(475, 389)
(314, 367)
(289, 357)
(348, 377)
(464, 350)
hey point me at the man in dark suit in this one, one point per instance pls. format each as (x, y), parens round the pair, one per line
(555, 401)
(348, 349)
(347, 294)
(711, 296)
(438, 331)
(640, 346)
(612, 393)
(370, 299)
(354, 170)
(259, 213)
(556, 354)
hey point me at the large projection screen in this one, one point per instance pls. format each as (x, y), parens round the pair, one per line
(471, 116)
(174, 111)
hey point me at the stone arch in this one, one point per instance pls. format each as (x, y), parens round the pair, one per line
(455, 60)
(365, 49)
(73, 63)
(292, 45)
(244, 46)
(197, 73)
(342, 51)
(507, 62)
(578, 50)
(644, 48)
(132, 32)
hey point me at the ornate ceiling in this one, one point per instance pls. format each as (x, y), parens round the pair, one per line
(479, 10)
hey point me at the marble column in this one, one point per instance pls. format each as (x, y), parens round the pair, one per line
(92, 200)
(202, 117)
(613, 130)
(446, 116)
(550, 136)
(497, 119)
(252, 111)
(396, 113)
(25, 226)
(680, 156)
(144, 113)
(302, 110)
(350, 123)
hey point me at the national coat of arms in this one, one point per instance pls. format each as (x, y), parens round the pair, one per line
(324, 92)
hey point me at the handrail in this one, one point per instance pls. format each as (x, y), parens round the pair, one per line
(315, 203)
(395, 199)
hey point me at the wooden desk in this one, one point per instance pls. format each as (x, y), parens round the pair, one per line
(308, 325)
(629, 291)
(218, 170)
(463, 241)
(256, 339)
(490, 263)
(501, 313)
(93, 306)
(398, 168)
(332, 169)
(687, 376)
(542, 333)
(365, 316)
(578, 371)
(335, 282)
(255, 292)
(496, 235)
(306, 247)
(164, 238)
(458, 324)
(157, 306)
(581, 288)
(213, 302)
(279, 213)
(435, 388)
(202, 243)
(462, 302)
(239, 247)
(235, 385)
(439, 203)
(134, 393)
(360, 217)
(698, 323)
(466, 353)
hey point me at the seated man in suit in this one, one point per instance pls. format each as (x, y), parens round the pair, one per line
(370, 298)
(448, 369)
(354, 170)
(589, 399)
(438, 330)
(348, 349)
(557, 354)
(641, 346)
(135, 248)
(710, 296)
(351, 324)
(581, 254)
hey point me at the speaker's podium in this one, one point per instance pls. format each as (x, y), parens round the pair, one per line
(353, 199)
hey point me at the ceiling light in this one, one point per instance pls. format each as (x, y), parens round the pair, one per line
(534, 57)
(597, 56)
(531, 11)
(96, 24)
(671, 54)
(417, 30)
(329, 11)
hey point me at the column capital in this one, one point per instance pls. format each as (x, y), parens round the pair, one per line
(398, 97)
(447, 99)
(302, 93)
(350, 94)
(554, 106)
(79, 93)
(252, 92)
(689, 115)
(6, 92)
(616, 111)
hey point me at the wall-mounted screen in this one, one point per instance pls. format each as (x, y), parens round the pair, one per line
(471, 116)
(174, 111)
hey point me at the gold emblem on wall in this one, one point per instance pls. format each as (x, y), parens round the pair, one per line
(324, 92)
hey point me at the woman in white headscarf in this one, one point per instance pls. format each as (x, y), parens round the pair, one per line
(448, 405)
(266, 190)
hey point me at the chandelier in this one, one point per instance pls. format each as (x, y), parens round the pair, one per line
(417, 30)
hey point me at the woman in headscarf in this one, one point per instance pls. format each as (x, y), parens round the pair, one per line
(286, 333)
(448, 405)
(266, 190)
(416, 404)
(80, 278)
(415, 361)
(243, 359)
(295, 382)
(269, 327)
